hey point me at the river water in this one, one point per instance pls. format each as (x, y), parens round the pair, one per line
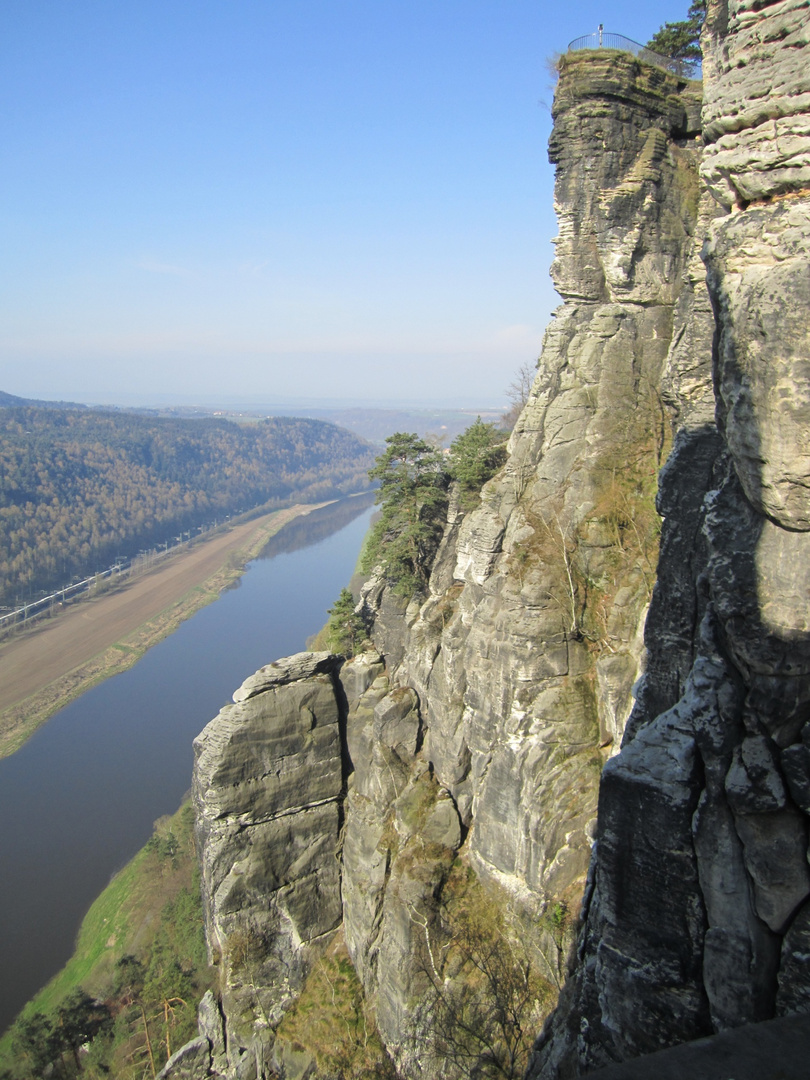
(80, 798)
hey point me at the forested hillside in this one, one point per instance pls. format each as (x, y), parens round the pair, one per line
(80, 487)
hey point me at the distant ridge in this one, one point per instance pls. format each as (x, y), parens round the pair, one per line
(10, 401)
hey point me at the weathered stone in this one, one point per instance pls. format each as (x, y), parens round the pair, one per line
(731, 604)
(759, 273)
(191, 1062)
(754, 784)
(794, 986)
(796, 767)
(358, 674)
(736, 942)
(532, 645)
(616, 675)
(268, 782)
(442, 826)
(210, 1024)
(757, 99)
(509, 681)
(775, 849)
(396, 722)
(280, 672)
(366, 868)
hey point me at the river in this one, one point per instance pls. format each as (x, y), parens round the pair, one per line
(80, 798)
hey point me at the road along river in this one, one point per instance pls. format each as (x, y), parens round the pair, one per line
(80, 797)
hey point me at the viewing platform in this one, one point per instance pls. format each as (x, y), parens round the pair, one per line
(684, 69)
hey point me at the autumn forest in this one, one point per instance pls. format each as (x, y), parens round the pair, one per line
(81, 487)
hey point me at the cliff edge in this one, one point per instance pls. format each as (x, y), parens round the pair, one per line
(431, 805)
(697, 915)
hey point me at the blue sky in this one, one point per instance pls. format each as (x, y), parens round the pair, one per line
(268, 200)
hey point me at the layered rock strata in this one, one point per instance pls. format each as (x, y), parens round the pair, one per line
(343, 792)
(524, 654)
(269, 781)
(699, 899)
(334, 790)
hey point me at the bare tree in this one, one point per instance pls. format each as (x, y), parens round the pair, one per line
(518, 393)
(484, 1001)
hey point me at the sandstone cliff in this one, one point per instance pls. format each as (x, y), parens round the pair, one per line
(697, 915)
(358, 800)
(524, 655)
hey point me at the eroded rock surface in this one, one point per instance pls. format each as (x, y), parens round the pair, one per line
(523, 656)
(757, 104)
(696, 920)
(344, 791)
(268, 789)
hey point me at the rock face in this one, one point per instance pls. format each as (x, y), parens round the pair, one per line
(757, 107)
(515, 672)
(697, 914)
(269, 780)
(486, 716)
(343, 794)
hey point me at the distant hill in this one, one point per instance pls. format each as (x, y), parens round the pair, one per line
(9, 401)
(376, 424)
(372, 423)
(79, 487)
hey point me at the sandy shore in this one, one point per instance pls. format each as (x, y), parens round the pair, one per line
(43, 669)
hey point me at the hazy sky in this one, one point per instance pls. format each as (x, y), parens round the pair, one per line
(274, 199)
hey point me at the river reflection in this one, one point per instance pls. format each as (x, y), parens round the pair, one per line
(79, 799)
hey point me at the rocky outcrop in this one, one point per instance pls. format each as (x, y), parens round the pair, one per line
(527, 671)
(522, 658)
(757, 108)
(696, 914)
(269, 782)
(348, 793)
(494, 700)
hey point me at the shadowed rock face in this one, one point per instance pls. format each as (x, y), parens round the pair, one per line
(698, 908)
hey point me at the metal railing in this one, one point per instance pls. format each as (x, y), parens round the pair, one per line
(684, 69)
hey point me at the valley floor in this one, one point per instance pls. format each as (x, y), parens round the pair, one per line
(43, 669)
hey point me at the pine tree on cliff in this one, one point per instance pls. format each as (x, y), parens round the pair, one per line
(681, 40)
(475, 457)
(412, 497)
(346, 627)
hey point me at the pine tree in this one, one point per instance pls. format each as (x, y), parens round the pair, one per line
(475, 456)
(681, 40)
(346, 629)
(413, 498)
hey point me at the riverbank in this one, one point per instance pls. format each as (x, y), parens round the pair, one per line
(56, 661)
(154, 898)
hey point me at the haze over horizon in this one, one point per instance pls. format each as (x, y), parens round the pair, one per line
(258, 203)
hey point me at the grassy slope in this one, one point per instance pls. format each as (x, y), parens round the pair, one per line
(155, 894)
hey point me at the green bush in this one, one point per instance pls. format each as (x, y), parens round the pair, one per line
(346, 629)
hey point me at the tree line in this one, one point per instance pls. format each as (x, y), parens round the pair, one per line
(80, 487)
